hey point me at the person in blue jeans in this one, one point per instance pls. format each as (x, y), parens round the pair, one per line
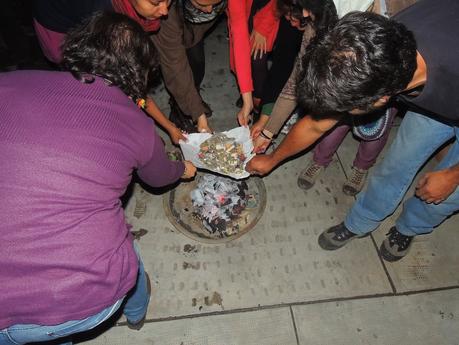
(70, 142)
(357, 67)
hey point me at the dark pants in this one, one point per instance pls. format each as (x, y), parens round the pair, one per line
(197, 62)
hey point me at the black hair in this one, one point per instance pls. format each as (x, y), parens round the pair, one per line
(324, 12)
(114, 47)
(363, 58)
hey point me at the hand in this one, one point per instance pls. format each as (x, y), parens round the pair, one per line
(203, 125)
(435, 187)
(243, 115)
(260, 144)
(260, 165)
(190, 170)
(259, 126)
(176, 135)
(258, 44)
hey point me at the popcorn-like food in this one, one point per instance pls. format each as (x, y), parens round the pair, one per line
(223, 154)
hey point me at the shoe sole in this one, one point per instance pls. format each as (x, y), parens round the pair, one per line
(388, 256)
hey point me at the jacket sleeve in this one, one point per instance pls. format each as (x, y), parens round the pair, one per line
(176, 70)
(239, 40)
(266, 22)
(159, 170)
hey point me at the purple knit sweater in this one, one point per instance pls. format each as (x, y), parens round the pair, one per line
(67, 154)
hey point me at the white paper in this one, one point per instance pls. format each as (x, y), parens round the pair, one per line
(346, 6)
(190, 149)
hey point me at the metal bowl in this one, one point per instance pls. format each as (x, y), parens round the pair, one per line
(180, 212)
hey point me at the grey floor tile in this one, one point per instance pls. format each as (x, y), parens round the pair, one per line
(433, 258)
(277, 262)
(264, 327)
(427, 319)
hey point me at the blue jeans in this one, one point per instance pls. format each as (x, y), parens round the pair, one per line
(417, 139)
(134, 309)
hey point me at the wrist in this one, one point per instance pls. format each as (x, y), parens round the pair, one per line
(185, 171)
(266, 134)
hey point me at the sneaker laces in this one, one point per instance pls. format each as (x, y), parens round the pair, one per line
(341, 233)
(358, 175)
(312, 169)
(402, 241)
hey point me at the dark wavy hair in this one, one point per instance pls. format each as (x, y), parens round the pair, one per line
(363, 58)
(324, 12)
(114, 47)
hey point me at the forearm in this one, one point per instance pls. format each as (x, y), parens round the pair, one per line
(161, 119)
(280, 113)
(302, 135)
(454, 174)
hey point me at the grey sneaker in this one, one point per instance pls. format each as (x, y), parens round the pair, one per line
(139, 324)
(395, 246)
(355, 182)
(309, 175)
(336, 237)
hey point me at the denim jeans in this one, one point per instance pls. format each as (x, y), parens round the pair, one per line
(134, 309)
(417, 139)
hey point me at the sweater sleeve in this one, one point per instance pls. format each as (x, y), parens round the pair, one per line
(175, 67)
(239, 39)
(159, 170)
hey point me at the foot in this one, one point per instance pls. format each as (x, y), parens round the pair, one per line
(355, 182)
(309, 175)
(139, 324)
(336, 237)
(395, 246)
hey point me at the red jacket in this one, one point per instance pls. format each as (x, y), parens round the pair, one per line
(265, 22)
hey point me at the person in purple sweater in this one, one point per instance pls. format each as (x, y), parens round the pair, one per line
(69, 143)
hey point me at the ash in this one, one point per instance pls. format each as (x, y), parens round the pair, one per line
(218, 201)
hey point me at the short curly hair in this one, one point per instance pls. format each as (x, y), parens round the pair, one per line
(112, 46)
(363, 58)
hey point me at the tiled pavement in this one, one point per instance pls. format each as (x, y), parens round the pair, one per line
(274, 285)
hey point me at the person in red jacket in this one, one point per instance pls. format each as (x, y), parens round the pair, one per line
(253, 26)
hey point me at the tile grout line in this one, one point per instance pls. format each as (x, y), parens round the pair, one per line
(389, 278)
(294, 325)
(383, 264)
(279, 306)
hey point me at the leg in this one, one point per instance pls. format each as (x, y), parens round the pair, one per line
(369, 151)
(259, 75)
(419, 217)
(22, 334)
(138, 298)
(197, 61)
(417, 138)
(329, 143)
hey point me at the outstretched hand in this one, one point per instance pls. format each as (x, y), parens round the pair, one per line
(260, 165)
(176, 135)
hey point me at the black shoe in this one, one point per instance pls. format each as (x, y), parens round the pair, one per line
(395, 246)
(139, 324)
(182, 121)
(336, 237)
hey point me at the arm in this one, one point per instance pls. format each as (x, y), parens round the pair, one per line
(437, 186)
(174, 132)
(240, 42)
(302, 135)
(266, 22)
(176, 70)
(159, 170)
